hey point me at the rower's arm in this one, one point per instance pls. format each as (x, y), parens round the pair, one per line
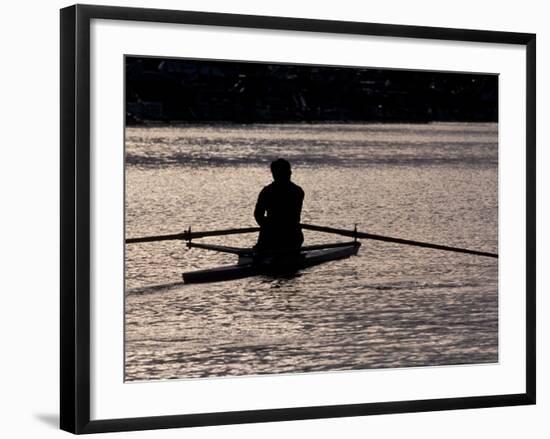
(300, 205)
(259, 211)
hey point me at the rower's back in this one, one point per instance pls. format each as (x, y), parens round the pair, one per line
(278, 210)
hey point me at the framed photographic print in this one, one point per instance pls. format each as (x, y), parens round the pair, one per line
(268, 218)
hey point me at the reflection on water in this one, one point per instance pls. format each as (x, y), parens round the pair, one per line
(391, 306)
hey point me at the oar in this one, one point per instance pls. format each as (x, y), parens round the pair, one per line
(188, 234)
(356, 234)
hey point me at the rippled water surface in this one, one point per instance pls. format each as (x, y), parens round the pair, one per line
(390, 306)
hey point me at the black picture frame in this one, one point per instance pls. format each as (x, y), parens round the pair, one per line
(75, 218)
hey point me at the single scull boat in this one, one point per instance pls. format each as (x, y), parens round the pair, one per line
(252, 263)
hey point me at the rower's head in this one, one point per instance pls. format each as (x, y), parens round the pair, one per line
(280, 169)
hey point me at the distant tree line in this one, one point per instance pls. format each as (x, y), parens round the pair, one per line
(191, 91)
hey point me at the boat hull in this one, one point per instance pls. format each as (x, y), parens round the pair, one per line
(275, 267)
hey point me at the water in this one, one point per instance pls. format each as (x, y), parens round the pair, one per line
(390, 306)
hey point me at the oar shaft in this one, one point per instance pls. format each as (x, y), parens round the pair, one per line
(354, 234)
(193, 235)
(155, 238)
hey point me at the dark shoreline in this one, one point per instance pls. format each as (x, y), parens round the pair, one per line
(218, 123)
(199, 91)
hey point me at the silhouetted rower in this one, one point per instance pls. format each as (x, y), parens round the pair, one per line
(278, 211)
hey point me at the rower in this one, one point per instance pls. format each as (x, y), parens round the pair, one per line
(278, 211)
